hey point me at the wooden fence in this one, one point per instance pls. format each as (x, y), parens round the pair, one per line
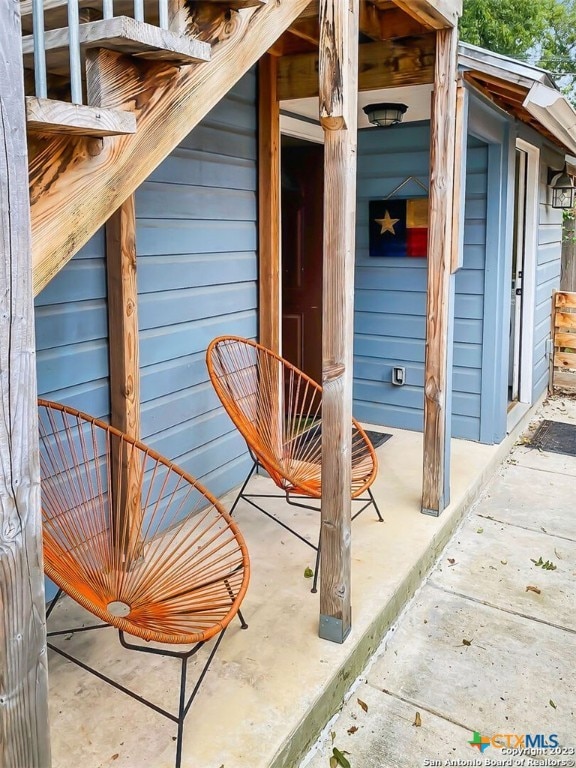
(563, 362)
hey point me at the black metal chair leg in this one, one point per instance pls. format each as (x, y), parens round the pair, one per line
(380, 518)
(181, 712)
(254, 466)
(53, 603)
(242, 621)
(317, 566)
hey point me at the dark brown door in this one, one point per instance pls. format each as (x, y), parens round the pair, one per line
(302, 221)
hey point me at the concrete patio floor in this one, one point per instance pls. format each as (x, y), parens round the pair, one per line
(272, 687)
(476, 650)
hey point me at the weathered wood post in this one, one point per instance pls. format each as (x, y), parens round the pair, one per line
(436, 475)
(338, 71)
(269, 203)
(24, 733)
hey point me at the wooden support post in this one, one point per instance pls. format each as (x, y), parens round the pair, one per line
(123, 319)
(124, 371)
(269, 204)
(24, 732)
(435, 484)
(338, 72)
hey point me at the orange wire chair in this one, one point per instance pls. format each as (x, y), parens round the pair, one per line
(137, 542)
(278, 411)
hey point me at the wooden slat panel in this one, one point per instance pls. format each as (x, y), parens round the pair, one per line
(565, 359)
(24, 730)
(565, 320)
(565, 340)
(564, 380)
(564, 299)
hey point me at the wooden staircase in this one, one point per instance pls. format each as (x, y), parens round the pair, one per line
(140, 82)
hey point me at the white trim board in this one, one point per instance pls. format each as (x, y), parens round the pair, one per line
(530, 262)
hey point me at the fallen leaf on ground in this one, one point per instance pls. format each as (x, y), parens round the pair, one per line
(466, 642)
(417, 720)
(308, 573)
(451, 560)
(504, 562)
(340, 759)
(115, 756)
(480, 530)
(552, 704)
(532, 588)
(333, 762)
(363, 704)
(352, 729)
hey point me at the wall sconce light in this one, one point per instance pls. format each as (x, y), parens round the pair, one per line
(386, 114)
(563, 190)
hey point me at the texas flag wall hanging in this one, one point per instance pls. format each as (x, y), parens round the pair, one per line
(399, 227)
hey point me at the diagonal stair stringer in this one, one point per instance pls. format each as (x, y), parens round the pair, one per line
(77, 183)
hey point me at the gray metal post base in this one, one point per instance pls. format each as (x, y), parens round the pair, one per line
(333, 629)
(431, 512)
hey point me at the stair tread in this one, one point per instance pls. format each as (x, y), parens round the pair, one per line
(56, 11)
(52, 116)
(120, 34)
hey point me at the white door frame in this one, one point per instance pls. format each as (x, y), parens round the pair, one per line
(529, 271)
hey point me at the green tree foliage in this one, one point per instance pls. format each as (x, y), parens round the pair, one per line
(542, 32)
(510, 27)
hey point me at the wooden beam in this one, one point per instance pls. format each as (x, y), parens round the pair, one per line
(269, 204)
(387, 24)
(442, 134)
(338, 76)
(49, 116)
(388, 64)
(306, 29)
(74, 184)
(435, 14)
(24, 730)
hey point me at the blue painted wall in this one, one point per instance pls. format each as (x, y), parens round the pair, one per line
(391, 293)
(547, 273)
(72, 333)
(197, 279)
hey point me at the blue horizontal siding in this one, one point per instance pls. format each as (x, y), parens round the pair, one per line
(197, 273)
(72, 333)
(72, 337)
(547, 280)
(390, 294)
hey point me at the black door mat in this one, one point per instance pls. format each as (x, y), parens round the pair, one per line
(377, 438)
(556, 437)
(314, 437)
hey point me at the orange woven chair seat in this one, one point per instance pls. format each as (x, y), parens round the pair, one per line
(133, 538)
(278, 411)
